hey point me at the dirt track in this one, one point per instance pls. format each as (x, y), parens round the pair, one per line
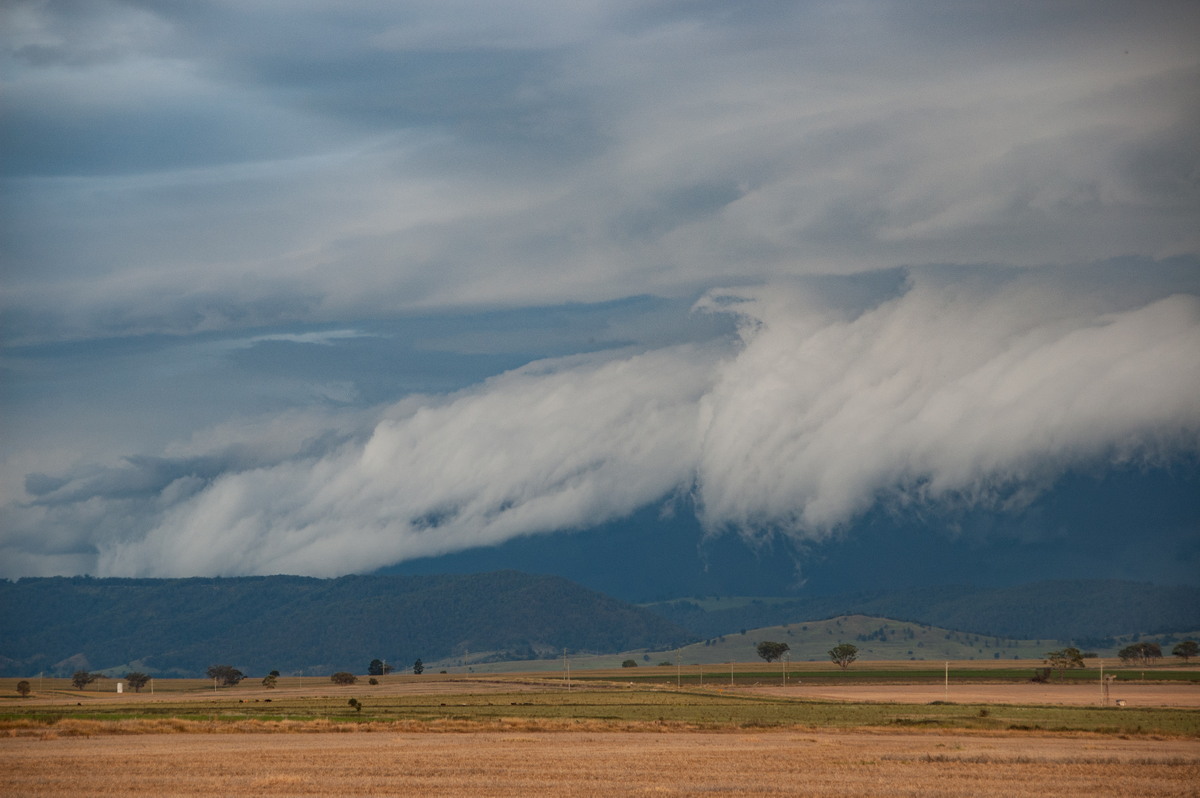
(1134, 695)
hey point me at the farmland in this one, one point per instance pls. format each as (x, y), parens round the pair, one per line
(604, 732)
(599, 762)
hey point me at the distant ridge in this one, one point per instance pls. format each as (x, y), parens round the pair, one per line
(1083, 610)
(292, 623)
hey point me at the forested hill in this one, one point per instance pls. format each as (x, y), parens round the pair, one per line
(1061, 610)
(288, 623)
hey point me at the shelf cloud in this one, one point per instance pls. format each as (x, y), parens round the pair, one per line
(956, 387)
(316, 288)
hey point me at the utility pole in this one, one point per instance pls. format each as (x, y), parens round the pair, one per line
(947, 692)
(567, 663)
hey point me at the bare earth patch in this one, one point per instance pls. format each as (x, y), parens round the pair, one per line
(1134, 695)
(600, 763)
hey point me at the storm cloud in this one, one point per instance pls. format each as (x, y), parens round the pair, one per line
(961, 387)
(200, 167)
(316, 288)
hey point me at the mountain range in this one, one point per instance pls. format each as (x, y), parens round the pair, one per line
(178, 627)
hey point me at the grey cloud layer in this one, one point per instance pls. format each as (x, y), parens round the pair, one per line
(968, 387)
(309, 176)
(202, 166)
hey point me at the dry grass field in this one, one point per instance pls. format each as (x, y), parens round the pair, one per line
(599, 763)
(521, 735)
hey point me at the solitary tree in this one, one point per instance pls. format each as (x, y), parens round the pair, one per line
(82, 679)
(23, 687)
(225, 675)
(418, 667)
(629, 663)
(772, 651)
(843, 654)
(375, 668)
(1065, 659)
(1140, 653)
(137, 680)
(1186, 650)
(343, 677)
(269, 681)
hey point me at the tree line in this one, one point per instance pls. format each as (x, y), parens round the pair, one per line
(842, 655)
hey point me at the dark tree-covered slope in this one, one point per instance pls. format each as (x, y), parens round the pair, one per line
(1059, 610)
(181, 626)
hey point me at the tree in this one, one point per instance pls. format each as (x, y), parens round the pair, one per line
(23, 687)
(354, 702)
(772, 651)
(82, 679)
(375, 668)
(629, 663)
(1140, 653)
(269, 681)
(418, 667)
(137, 680)
(1186, 650)
(843, 654)
(1065, 659)
(343, 677)
(225, 675)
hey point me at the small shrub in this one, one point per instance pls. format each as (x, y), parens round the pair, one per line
(372, 680)
(342, 677)
(629, 663)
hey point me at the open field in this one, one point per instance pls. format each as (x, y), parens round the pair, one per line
(589, 763)
(1165, 708)
(529, 734)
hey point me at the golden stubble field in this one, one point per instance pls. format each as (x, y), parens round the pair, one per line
(600, 763)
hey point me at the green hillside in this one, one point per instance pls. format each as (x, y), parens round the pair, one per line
(876, 639)
(1093, 613)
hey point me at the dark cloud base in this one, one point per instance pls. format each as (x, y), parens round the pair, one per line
(1140, 525)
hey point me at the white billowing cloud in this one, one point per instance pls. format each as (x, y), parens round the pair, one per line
(960, 389)
(967, 387)
(549, 447)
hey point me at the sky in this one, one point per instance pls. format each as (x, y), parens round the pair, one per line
(319, 288)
